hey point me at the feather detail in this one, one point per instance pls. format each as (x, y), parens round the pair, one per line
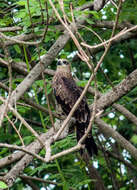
(67, 93)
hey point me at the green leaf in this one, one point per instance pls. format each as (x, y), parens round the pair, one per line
(123, 188)
(90, 21)
(84, 182)
(135, 56)
(3, 185)
(134, 139)
(17, 49)
(21, 3)
(21, 14)
(39, 83)
(82, 83)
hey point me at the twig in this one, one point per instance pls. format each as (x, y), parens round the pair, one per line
(41, 64)
(92, 116)
(47, 22)
(23, 121)
(95, 33)
(43, 180)
(17, 41)
(30, 183)
(32, 103)
(73, 109)
(82, 54)
(41, 10)
(114, 3)
(116, 19)
(15, 130)
(61, 3)
(39, 179)
(73, 149)
(112, 39)
(9, 60)
(48, 103)
(15, 147)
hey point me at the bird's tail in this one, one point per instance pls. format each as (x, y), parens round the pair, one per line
(89, 141)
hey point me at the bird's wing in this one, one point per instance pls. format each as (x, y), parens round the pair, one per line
(67, 93)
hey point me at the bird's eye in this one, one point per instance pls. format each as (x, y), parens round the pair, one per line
(65, 62)
(59, 62)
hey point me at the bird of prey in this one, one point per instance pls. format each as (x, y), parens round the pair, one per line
(67, 92)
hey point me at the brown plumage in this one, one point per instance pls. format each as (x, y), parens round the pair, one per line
(67, 92)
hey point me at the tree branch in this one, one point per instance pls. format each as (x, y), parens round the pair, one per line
(110, 132)
(117, 92)
(35, 147)
(126, 113)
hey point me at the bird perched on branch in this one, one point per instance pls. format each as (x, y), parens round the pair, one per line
(67, 92)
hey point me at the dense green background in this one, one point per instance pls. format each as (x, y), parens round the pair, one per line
(71, 170)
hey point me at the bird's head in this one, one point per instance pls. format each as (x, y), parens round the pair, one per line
(63, 64)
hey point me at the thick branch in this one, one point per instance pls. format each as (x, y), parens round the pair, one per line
(10, 159)
(110, 24)
(105, 101)
(10, 29)
(118, 91)
(110, 132)
(30, 183)
(126, 113)
(94, 175)
(35, 147)
(119, 158)
(32, 76)
(46, 60)
(35, 72)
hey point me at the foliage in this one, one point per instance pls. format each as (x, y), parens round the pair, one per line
(69, 171)
(3, 185)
